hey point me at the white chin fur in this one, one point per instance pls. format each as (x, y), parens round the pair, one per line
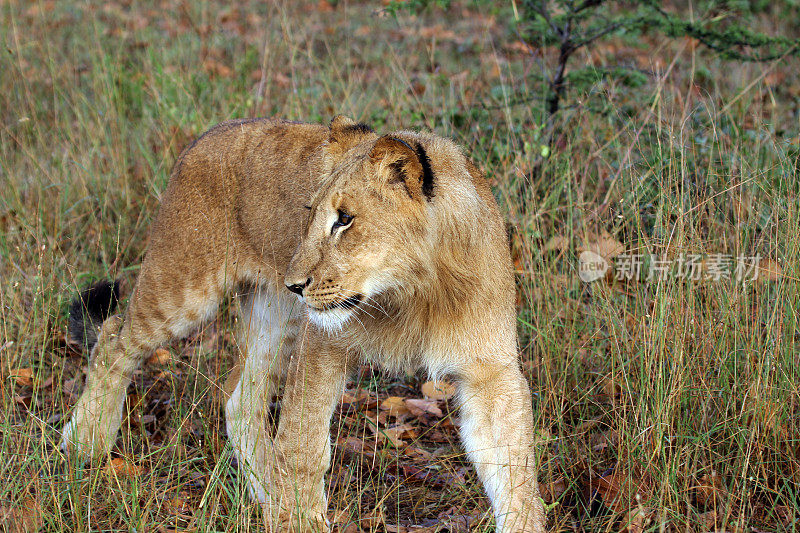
(330, 321)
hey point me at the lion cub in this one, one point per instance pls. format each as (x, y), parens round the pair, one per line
(348, 247)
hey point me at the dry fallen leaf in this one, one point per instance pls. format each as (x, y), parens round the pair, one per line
(353, 396)
(417, 454)
(24, 517)
(180, 506)
(395, 405)
(73, 386)
(708, 520)
(556, 242)
(23, 376)
(709, 490)
(353, 444)
(217, 68)
(338, 516)
(421, 407)
(159, 357)
(601, 441)
(396, 434)
(769, 270)
(553, 490)
(635, 520)
(121, 467)
(373, 519)
(617, 492)
(603, 244)
(438, 390)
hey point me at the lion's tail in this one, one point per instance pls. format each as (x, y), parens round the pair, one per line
(88, 311)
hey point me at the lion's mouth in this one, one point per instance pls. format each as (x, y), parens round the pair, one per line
(334, 315)
(349, 302)
(344, 304)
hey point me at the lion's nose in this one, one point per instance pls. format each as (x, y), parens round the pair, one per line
(297, 288)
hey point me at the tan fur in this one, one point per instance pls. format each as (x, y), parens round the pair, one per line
(425, 265)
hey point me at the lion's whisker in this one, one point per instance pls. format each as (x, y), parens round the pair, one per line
(370, 302)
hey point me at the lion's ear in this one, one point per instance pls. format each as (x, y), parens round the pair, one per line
(404, 164)
(344, 134)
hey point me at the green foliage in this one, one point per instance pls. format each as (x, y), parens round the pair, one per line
(414, 6)
(571, 26)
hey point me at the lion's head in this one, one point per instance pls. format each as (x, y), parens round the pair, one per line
(374, 227)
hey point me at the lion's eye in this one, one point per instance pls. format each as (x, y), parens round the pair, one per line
(343, 220)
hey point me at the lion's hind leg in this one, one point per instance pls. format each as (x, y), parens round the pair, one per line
(160, 309)
(267, 328)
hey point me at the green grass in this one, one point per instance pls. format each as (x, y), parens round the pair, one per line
(683, 392)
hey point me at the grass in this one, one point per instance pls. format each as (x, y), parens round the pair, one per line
(662, 405)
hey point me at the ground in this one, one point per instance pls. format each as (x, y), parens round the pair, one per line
(668, 403)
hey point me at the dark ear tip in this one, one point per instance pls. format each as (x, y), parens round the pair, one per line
(388, 144)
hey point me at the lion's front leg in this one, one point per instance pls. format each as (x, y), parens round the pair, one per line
(314, 384)
(266, 333)
(246, 420)
(497, 432)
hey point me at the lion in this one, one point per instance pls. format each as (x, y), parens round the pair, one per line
(343, 247)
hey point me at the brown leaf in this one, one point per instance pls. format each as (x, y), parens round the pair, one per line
(396, 434)
(603, 244)
(354, 396)
(604, 439)
(456, 522)
(553, 490)
(180, 506)
(216, 68)
(437, 31)
(120, 467)
(338, 516)
(282, 80)
(438, 390)
(373, 519)
(324, 6)
(635, 520)
(612, 387)
(23, 376)
(556, 242)
(159, 357)
(353, 444)
(395, 405)
(708, 521)
(25, 400)
(72, 387)
(422, 407)
(618, 493)
(608, 488)
(769, 270)
(24, 517)
(709, 490)
(417, 454)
